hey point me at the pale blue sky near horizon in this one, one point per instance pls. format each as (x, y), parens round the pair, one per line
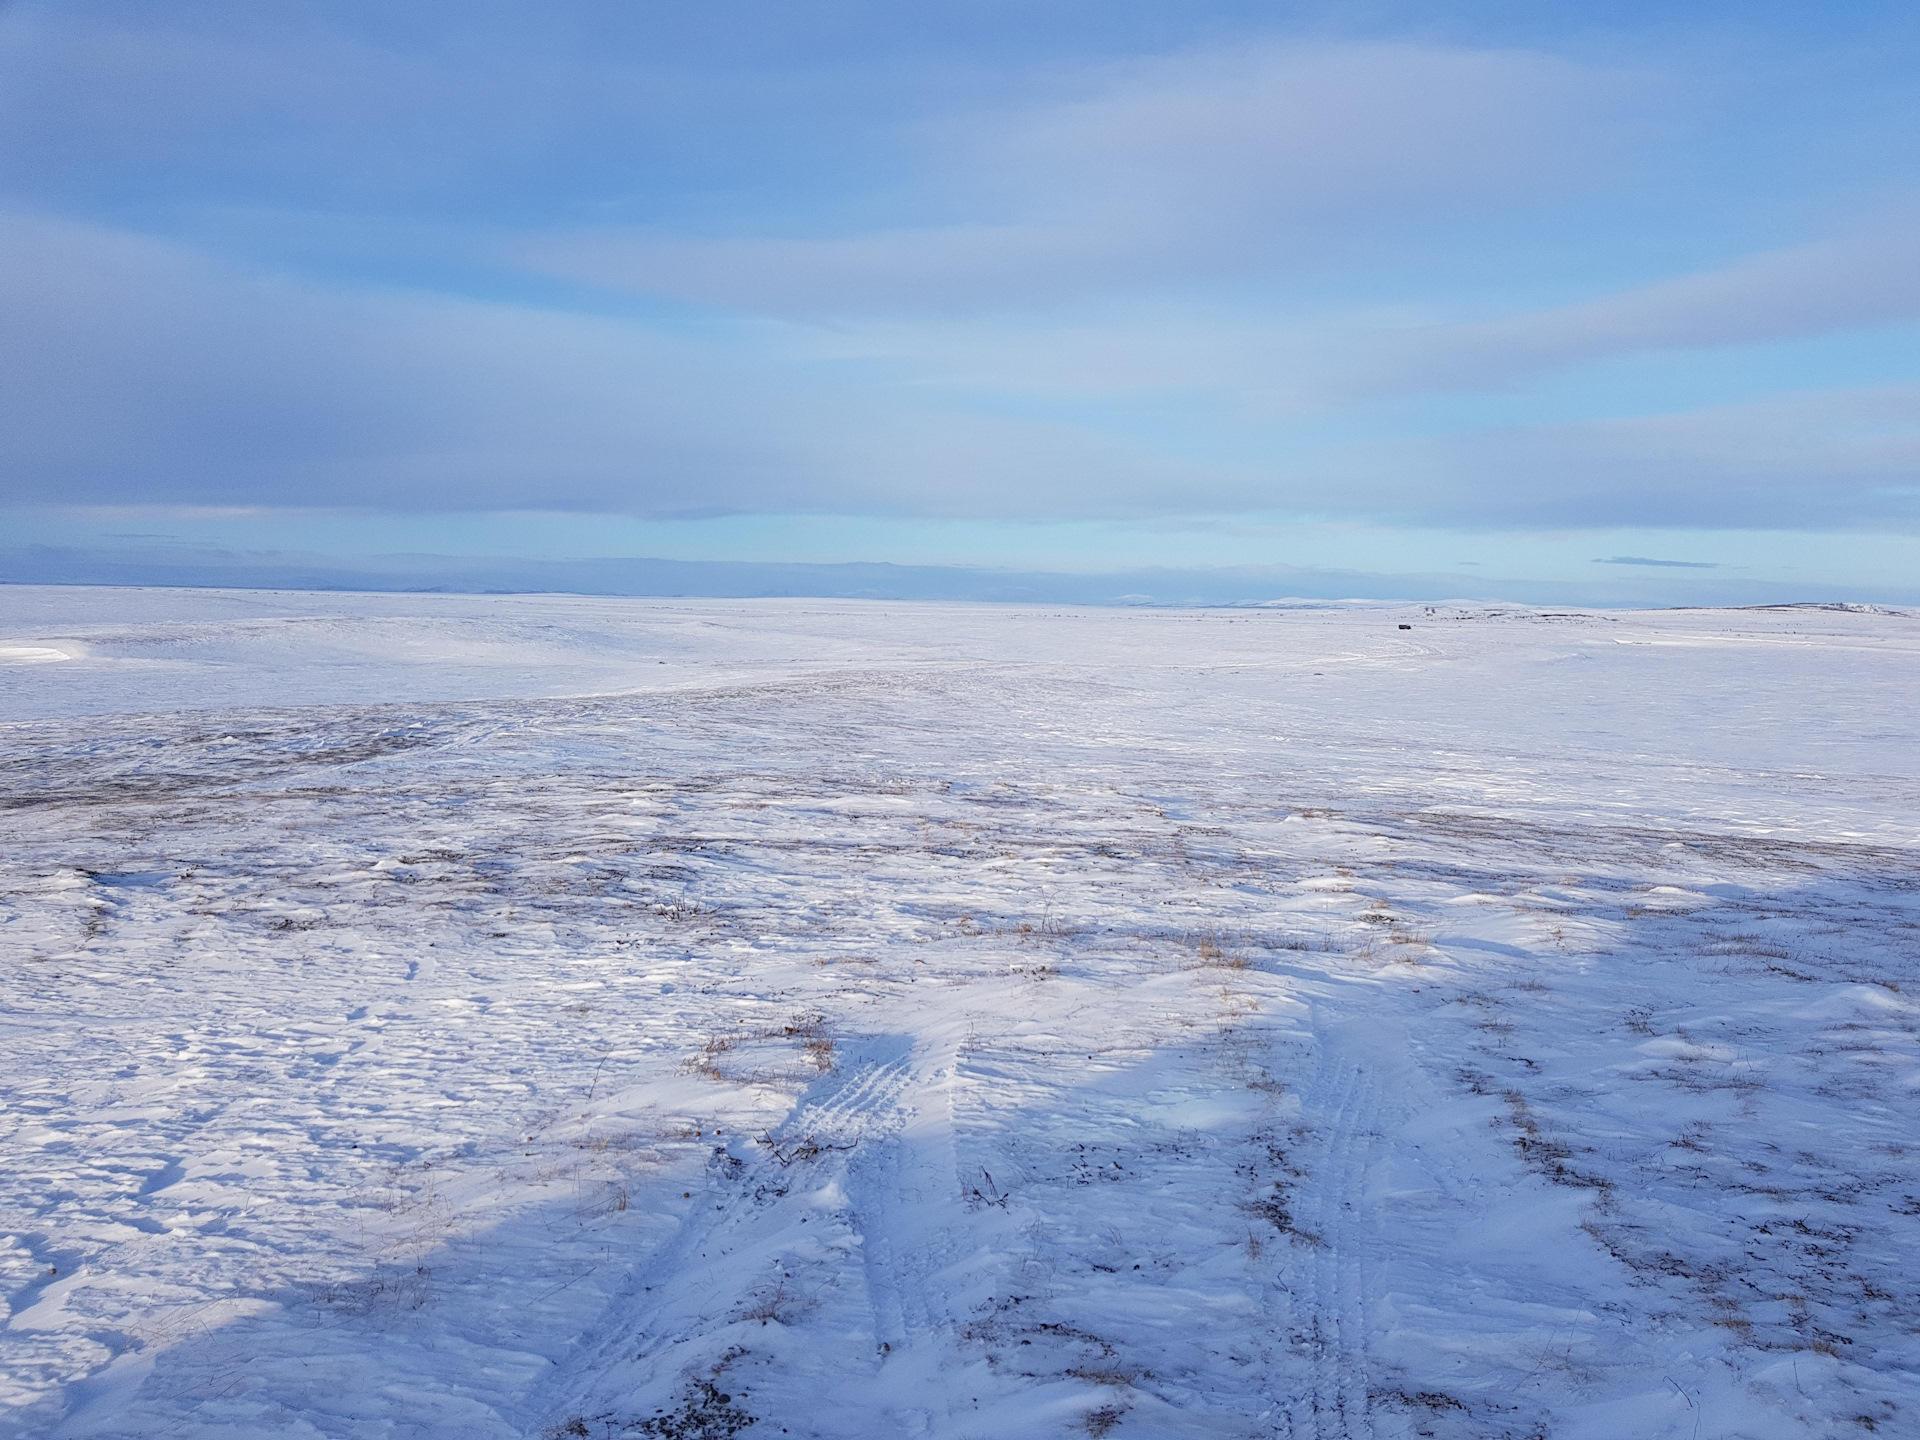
(1535, 292)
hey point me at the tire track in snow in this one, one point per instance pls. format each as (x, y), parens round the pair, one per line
(1334, 1277)
(914, 1174)
(864, 1105)
(773, 1209)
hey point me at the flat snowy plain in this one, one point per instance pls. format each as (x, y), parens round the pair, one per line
(539, 1016)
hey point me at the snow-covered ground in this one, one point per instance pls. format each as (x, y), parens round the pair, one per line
(517, 1016)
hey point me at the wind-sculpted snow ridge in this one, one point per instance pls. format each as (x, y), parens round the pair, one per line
(949, 1022)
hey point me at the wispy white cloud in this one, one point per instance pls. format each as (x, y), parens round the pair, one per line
(142, 370)
(1169, 170)
(1863, 280)
(1815, 460)
(404, 259)
(1275, 361)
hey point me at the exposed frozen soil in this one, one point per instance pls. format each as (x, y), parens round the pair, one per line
(623, 1018)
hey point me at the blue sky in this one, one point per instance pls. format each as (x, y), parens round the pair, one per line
(1503, 291)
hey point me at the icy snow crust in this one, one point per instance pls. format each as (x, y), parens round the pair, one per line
(505, 1017)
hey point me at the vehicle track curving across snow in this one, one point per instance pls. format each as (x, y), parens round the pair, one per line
(776, 1234)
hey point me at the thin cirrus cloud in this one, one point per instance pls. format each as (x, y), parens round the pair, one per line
(1844, 459)
(273, 259)
(146, 371)
(1659, 564)
(1280, 364)
(1860, 281)
(143, 371)
(1160, 172)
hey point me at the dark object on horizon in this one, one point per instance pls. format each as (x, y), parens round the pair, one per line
(1406, 627)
